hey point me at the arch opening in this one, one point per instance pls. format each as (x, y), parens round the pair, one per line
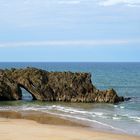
(26, 94)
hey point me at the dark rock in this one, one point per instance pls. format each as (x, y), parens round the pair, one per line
(53, 86)
(108, 96)
(127, 99)
(9, 89)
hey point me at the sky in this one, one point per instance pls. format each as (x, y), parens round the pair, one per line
(70, 30)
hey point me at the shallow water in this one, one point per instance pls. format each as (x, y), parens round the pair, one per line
(123, 77)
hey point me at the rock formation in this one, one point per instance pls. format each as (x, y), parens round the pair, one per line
(9, 89)
(52, 86)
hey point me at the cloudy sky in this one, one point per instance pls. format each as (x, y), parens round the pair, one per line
(70, 30)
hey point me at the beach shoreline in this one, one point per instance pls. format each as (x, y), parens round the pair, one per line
(41, 117)
(25, 125)
(22, 129)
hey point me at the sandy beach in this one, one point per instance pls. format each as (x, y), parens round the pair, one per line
(57, 129)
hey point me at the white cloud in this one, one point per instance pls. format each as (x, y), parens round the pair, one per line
(131, 3)
(68, 2)
(37, 13)
(67, 43)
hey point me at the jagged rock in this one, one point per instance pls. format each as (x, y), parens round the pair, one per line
(54, 86)
(9, 90)
(108, 96)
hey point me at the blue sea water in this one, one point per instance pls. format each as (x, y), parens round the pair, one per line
(123, 77)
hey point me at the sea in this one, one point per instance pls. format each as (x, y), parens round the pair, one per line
(122, 117)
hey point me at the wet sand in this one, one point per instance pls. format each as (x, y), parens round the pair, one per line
(49, 128)
(40, 117)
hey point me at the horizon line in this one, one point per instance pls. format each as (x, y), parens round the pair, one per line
(69, 61)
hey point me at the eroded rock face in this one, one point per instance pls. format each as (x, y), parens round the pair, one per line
(54, 86)
(9, 90)
(107, 96)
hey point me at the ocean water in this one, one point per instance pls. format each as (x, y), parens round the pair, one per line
(121, 118)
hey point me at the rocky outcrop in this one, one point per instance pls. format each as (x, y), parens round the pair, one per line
(9, 89)
(53, 86)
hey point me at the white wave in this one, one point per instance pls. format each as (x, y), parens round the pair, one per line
(137, 121)
(134, 117)
(89, 120)
(122, 107)
(115, 118)
(30, 108)
(98, 113)
(93, 115)
(69, 109)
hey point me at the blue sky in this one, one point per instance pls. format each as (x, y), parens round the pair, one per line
(70, 30)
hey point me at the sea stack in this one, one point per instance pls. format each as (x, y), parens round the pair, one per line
(53, 86)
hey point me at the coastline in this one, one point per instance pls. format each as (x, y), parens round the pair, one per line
(29, 125)
(40, 117)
